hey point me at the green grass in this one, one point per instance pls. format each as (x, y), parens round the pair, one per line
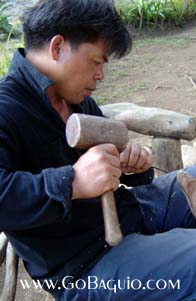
(156, 13)
(4, 60)
(6, 51)
(168, 41)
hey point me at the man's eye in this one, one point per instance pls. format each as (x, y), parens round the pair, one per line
(97, 62)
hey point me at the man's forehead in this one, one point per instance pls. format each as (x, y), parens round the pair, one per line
(98, 49)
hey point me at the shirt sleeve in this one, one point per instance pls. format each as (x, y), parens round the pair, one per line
(30, 200)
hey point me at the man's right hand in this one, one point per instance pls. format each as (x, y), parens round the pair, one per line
(96, 172)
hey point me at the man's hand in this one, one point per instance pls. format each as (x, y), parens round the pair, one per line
(135, 159)
(96, 172)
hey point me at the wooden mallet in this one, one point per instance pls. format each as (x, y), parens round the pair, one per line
(84, 131)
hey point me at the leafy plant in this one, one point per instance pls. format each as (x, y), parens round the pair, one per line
(6, 52)
(5, 26)
(156, 13)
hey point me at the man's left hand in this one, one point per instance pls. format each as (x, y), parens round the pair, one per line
(135, 159)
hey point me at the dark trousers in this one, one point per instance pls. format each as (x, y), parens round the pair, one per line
(157, 264)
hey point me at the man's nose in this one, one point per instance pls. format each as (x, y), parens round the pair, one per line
(99, 74)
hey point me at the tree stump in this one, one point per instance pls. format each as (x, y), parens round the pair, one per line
(166, 154)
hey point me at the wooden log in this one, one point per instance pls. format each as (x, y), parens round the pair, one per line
(3, 245)
(10, 281)
(166, 154)
(152, 121)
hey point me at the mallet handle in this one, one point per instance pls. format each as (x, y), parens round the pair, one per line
(113, 234)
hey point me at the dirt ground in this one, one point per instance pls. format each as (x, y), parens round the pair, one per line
(160, 72)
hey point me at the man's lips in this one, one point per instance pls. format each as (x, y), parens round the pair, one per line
(89, 91)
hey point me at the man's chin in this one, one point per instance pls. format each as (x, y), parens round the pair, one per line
(76, 101)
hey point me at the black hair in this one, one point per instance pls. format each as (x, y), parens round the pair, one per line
(77, 21)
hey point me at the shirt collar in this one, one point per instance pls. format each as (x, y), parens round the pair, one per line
(20, 67)
(23, 71)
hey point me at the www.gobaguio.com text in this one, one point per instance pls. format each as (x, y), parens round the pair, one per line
(94, 283)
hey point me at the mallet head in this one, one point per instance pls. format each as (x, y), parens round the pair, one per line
(84, 131)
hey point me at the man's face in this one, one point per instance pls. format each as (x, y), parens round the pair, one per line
(77, 71)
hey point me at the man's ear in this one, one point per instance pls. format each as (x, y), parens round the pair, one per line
(57, 44)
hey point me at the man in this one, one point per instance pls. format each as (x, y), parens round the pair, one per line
(49, 193)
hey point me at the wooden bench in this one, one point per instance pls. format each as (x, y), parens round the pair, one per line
(167, 129)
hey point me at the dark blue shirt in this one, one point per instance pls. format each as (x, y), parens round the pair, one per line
(54, 236)
(51, 233)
